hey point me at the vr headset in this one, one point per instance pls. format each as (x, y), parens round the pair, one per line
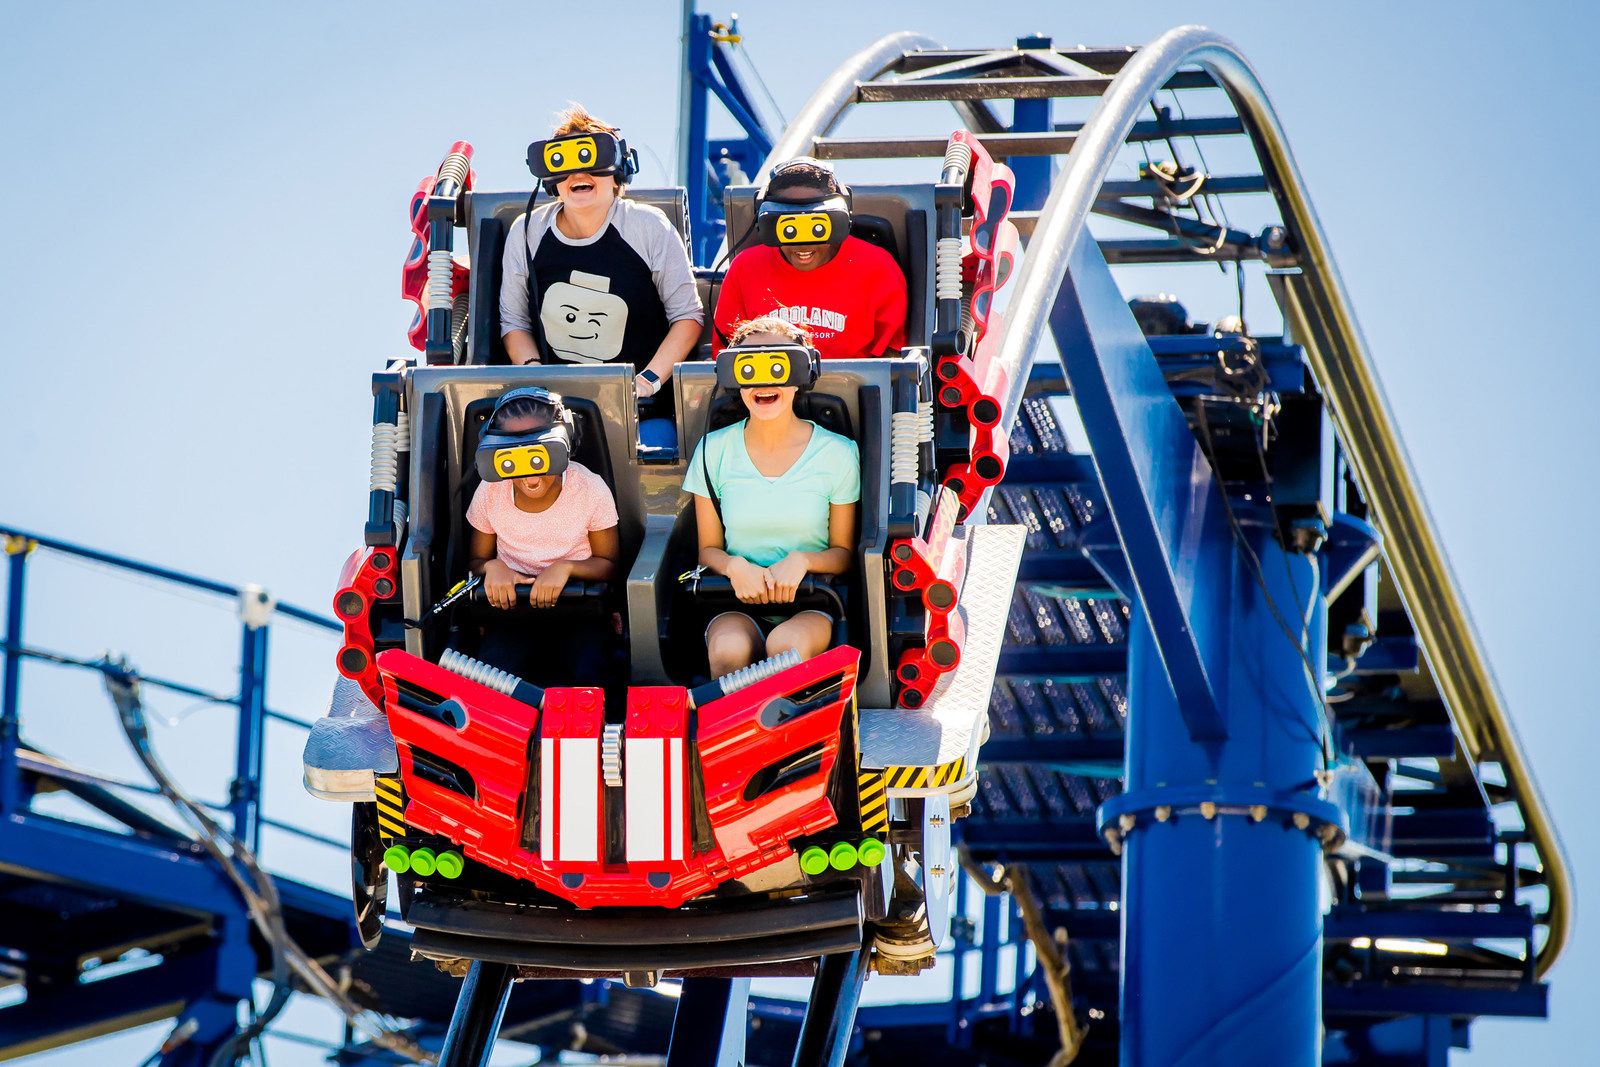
(600, 153)
(816, 222)
(821, 222)
(501, 456)
(753, 366)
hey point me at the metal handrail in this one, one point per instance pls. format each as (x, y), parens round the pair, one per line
(1334, 344)
(168, 574)
(21, 543)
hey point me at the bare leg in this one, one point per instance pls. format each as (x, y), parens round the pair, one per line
(808, 633)
(733, 640)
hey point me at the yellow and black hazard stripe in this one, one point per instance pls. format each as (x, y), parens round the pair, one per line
(874, 804)
(925, 777)
(391, 808)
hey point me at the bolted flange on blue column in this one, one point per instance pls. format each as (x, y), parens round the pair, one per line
(1222, 839)
(1221, 827)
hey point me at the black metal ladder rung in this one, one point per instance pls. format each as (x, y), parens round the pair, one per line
(1106, 60)
(1034, 88)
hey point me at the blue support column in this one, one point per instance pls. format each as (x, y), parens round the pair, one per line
(11, 798)
(693, 122)
(1222, 924)
(1220, 823)
(245, 792)
(1033, 173)
(989, 961)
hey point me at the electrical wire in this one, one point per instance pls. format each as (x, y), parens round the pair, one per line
(1253, 563)
(254, 885)
(755, 69)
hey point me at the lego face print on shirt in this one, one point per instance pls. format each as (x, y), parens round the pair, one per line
(583, 320)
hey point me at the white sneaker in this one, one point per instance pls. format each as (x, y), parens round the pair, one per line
(349, 747)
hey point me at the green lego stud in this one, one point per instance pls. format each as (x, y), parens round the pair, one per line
(842, 856)
(870, 852)
(814, 860)
(450, 865)
(424, 862)
(397, 858)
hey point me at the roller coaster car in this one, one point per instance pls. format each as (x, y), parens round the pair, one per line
(783, 812)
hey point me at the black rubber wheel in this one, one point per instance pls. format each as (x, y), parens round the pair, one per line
(369, 879)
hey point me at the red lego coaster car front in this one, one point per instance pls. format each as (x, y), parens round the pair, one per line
(657, 809)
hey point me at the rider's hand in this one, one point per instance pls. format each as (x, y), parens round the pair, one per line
(784, 578)
(749, 581)
(548, 585)
(642, 390)
(500, 584)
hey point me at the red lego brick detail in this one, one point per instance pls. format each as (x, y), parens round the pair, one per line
(657, 711)
(473, 784)
(368, 576)
(573, 713)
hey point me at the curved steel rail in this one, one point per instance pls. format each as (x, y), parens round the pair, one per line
(1339, 358)
(837, 92)
(1319, 311)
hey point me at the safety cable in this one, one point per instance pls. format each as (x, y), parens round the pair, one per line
(1215, 203)
(1049, 954)
(254, 885)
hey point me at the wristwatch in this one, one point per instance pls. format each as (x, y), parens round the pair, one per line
(652, 379)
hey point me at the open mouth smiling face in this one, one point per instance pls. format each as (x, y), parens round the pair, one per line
(579, 185)
(763, 401)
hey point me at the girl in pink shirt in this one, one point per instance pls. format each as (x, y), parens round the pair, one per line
(543, 529)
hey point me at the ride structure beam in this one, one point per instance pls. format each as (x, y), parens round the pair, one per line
(708, 72)
(709, 1027)
(1224, 725)
(831, 1012)
(476, 1021)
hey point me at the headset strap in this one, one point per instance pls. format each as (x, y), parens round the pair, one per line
(705, 471)
(535, 326)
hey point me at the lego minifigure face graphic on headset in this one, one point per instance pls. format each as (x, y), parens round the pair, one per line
(570, 154)
(584, 322)
(761, 368)
(804, 228)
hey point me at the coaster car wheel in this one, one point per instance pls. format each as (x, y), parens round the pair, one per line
(369, 879)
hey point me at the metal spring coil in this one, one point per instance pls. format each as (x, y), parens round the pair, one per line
(441, 279)
(737, 680)
(385, 472)
(905, 441)
(454, 169)
(925, 420)
(458, 329)
(947, 269)
(478, 671)
(957, 155)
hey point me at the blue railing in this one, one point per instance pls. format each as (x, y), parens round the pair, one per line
(244, 803)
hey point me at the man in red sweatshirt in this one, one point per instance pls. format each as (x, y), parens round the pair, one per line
(850, 294)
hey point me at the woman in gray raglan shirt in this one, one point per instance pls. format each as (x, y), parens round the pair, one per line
(613, 280)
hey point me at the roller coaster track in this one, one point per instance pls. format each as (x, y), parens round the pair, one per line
(1316, 307)
(1317, 314)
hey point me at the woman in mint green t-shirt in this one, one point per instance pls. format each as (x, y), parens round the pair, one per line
(789, 490)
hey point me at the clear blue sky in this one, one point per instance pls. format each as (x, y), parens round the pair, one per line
(207, 223)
